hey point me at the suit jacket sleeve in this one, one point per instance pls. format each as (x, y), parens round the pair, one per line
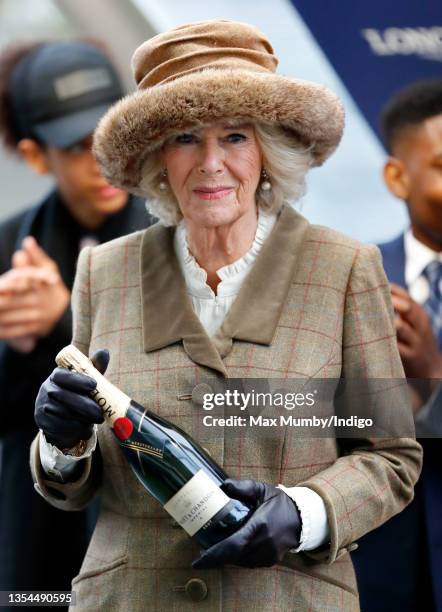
(374, 478)
(73, 495)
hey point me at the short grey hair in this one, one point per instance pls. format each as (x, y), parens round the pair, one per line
(285, 160)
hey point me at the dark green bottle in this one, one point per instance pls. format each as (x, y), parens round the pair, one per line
(169, 464)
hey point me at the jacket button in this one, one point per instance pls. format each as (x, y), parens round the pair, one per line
(199, 392)
(352, 547)
(196, 589)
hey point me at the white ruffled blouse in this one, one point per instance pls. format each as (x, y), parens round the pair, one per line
(210, 307)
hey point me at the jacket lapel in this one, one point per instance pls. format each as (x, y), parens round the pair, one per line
(255, 313)
(168, 315)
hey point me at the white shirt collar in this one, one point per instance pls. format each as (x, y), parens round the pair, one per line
(417, 257)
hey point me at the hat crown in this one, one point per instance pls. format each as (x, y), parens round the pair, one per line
(194, 47)
(201, 74)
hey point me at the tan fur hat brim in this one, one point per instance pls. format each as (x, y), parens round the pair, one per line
(142, 121)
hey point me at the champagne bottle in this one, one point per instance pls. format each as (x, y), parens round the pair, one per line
(173, 468)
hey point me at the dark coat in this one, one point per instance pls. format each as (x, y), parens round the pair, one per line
(30, 554)
(411, 542)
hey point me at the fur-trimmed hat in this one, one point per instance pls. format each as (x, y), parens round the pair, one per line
(202, 73)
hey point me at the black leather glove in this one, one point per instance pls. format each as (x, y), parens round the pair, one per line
(64, 409)
(272, 530)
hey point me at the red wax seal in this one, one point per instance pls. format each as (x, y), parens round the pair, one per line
(123, 428)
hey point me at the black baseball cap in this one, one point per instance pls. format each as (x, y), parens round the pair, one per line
(60, 90)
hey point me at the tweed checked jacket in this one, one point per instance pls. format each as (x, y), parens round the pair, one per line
(315, 304)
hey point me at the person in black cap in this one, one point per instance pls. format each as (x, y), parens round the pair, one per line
(51, 98)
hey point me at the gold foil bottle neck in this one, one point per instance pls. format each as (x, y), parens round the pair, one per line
(72, 358)
(113, 402)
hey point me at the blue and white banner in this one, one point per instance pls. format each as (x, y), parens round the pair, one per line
(377, 47)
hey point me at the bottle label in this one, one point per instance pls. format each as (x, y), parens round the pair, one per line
(196, 503)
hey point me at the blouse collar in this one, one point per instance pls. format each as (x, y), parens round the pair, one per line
(232, 274)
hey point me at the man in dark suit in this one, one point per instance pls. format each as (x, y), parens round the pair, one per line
(410, 544)
(51, 97)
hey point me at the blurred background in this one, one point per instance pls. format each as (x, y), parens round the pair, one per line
(361, 52)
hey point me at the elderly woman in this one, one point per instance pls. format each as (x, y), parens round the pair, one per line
(231, 283)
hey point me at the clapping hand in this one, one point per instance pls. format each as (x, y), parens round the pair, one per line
(417, 345)
(33, 297)
(418, 348)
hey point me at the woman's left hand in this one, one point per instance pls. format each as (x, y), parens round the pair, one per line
(272, 530)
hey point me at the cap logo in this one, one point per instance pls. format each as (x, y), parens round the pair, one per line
(81, 82)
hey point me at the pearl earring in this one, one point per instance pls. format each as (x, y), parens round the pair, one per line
(163, 185)
(266, 185)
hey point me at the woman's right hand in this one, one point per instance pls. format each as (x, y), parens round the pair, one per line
(64, 410)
